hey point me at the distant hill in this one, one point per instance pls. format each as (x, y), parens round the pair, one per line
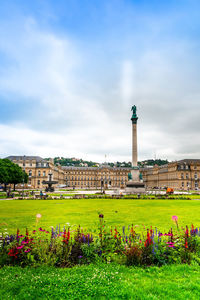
(153, 162)
(76, 162)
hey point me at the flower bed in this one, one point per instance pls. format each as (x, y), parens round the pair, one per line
(68, 247)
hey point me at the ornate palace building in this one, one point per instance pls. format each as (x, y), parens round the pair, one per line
(180, 175)
(38, 170)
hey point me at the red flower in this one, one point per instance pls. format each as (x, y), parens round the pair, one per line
(13, 252)
(149, 240)
(186, 232)
(132, 232)
(186, 244)
(66, 236)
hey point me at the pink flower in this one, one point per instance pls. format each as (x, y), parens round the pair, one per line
(20, 247)
(174, 218)
(40, 229)
(38, 216)
(170, 244)
(28, 250)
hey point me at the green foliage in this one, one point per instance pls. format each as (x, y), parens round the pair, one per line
(71, 162)
(79, 162)
(153, 162)
(11, 173)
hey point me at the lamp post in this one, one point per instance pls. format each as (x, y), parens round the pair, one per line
(102, 182)
(122, 183)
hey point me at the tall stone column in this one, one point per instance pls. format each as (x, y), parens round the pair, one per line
(134, 185)
(134, 137)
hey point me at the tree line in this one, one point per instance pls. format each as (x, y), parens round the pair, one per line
(76, 163)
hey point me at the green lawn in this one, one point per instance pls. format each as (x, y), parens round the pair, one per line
(101, 282)
(21, 213)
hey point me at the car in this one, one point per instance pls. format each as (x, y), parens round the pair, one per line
(61, 185)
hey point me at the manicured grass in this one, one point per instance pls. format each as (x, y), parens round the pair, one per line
(21, 213)
(101, 282)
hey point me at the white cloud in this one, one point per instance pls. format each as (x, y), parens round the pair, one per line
(127, 82)
(83, 105)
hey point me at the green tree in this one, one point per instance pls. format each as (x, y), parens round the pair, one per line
(11, 173)
(4, 172)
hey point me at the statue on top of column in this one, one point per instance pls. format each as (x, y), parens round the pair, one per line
(134, 108)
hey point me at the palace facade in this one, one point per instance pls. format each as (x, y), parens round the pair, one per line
(180, 175)
(96, 177)
(38, 170)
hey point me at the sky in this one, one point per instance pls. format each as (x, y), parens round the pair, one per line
(70, 71)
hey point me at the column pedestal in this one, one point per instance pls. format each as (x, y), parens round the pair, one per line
(135, 185)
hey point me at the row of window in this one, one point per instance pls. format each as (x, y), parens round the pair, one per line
(94, 178)
(89, 184)
(196, 184)
(187, 176)
(97, 173)
(39, 173)
(37, 164)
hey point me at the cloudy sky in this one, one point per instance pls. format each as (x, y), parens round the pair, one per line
(70, 70)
